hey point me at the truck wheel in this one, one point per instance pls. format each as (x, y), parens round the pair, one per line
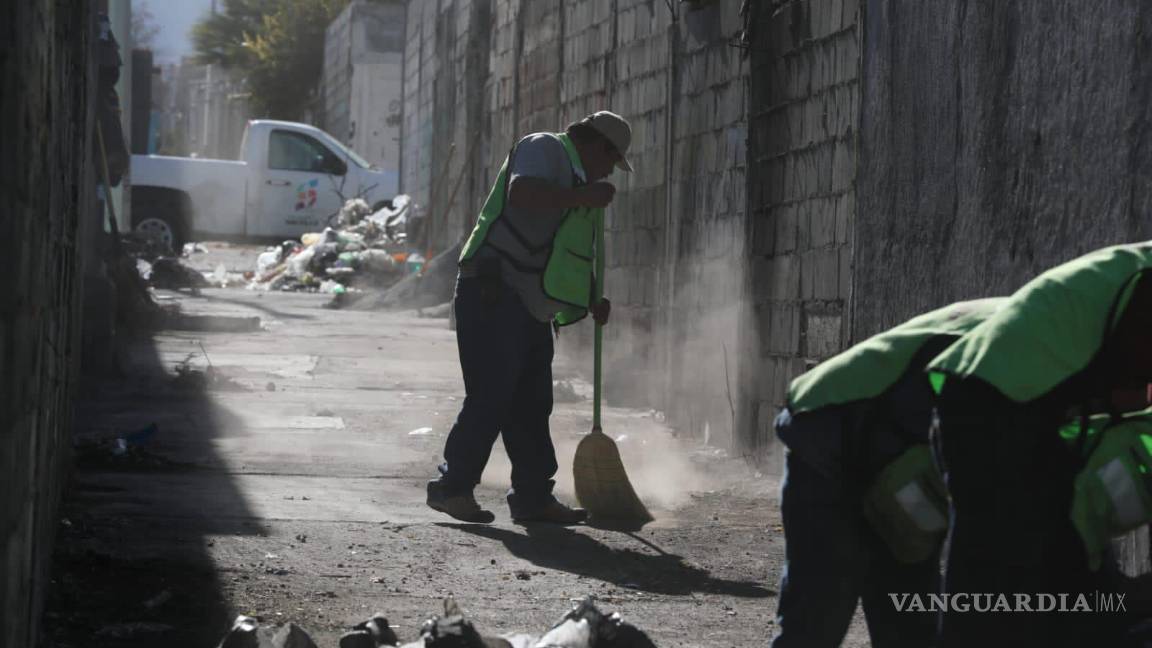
(159, 218)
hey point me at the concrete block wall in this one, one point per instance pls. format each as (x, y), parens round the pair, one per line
(708, 304)
(803, 124)
(419, 73)
(617, 58)
(447, 128)
(46, 67)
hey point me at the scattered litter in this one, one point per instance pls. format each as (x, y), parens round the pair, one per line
(271, 556)
(219, 276)
(372, 633)
(170, 274)
(424, 431)
(425, 285)
(189, 378)
(584, 626)
(363, 247)
(118, 454)
(247, 632)
(301, 538)
(193, 248)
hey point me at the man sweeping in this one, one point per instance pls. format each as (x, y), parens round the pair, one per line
(862, 505)
(526, 270)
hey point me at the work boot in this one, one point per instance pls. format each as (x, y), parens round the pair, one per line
(461, 506)
(553, 512)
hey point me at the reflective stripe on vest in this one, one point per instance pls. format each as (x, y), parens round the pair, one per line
(907, 504)
(1127, 508)
(1112, 494)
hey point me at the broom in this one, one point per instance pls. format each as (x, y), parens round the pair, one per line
(602, 485)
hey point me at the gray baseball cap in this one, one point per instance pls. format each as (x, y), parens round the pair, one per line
(616, 130)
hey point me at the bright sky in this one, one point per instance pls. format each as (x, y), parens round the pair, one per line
(175, 18)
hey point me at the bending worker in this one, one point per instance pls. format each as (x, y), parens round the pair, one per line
(863, 508)
(1032, 515)
(526, 268)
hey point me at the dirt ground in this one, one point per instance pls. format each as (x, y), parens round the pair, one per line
(290, 486)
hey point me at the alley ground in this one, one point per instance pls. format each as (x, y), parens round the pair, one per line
(291, 487)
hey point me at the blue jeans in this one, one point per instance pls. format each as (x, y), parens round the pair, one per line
(833, 559)
(506, 357)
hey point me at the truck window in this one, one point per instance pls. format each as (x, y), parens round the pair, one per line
(292, 151)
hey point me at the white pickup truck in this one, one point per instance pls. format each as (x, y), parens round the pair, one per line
(290, 179)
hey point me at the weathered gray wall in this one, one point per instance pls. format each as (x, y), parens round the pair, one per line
(997, 139)
(804, 106)
(44, 59)
(446, 127)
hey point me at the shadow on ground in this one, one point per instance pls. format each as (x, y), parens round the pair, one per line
(132, 564)
(564, 549)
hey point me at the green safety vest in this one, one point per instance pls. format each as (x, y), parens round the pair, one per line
(906, 503)
(575, 247)
(869, 368)
(1050, 329)
(1112, 494)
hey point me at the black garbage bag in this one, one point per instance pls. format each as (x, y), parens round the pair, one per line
(169, 273)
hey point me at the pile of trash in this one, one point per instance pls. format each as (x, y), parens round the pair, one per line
(365, 247)
(584, 626)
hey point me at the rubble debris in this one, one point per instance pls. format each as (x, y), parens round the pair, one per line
(585, 626)
(454, 631)
(191, 379)
(433, 286)
(193, 248)
(363, 248)
(373, 633)
(118, 454)
(170, 274)
(247, 632)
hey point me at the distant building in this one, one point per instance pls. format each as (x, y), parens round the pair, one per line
(363, 80)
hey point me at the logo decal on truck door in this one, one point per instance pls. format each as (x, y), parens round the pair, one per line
(306, 194)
